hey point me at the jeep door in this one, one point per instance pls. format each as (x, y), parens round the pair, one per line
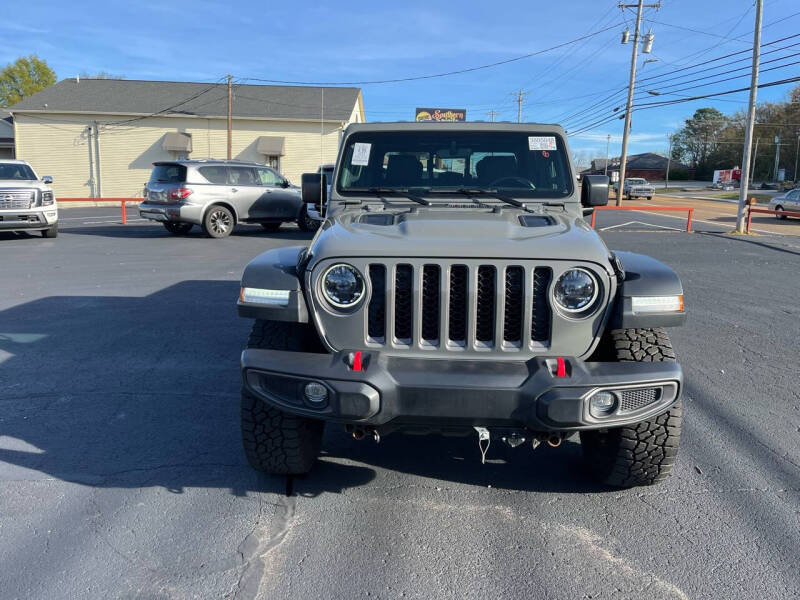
(245, 190)
(278, 200)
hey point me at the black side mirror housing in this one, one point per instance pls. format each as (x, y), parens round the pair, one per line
(594, 190)
(314, 189)
(285, 183)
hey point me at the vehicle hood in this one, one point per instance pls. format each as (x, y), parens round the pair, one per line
(22, 183)
(450, 233)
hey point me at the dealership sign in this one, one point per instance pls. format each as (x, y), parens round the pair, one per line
(441, 114)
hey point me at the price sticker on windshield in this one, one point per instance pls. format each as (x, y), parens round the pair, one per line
(545, 142)
(361, 154)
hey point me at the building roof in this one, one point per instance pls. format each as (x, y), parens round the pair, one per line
(646, 160)
(171, 98)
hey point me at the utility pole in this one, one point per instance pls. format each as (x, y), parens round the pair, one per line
(777, 155)
(98, 181)
(796, 151)
(91, 162)
(230, 115)
(631, 84)
(669, 159)
(521, 95)
(492, 114)
(755, 157)
(751, 118)
(608, 143)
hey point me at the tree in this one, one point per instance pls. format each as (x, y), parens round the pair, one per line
(100, 75)
(24, 77)
(699, 138)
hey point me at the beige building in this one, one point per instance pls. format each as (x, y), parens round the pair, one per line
(100, 137)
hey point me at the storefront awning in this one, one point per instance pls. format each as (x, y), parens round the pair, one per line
(176, 141)
(270, 145)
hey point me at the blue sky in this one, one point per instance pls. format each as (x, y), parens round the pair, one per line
(355, 41)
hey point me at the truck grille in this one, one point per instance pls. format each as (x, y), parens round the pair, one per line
(451, 306)
(16, 199)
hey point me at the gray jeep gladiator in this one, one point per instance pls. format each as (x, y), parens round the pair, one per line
(455, 287)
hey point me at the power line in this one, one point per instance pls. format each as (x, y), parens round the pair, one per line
(437, 75)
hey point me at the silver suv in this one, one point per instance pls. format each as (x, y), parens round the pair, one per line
(27, 203)
(218, 194)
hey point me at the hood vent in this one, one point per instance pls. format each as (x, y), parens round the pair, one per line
(377, 219)
(536, 221)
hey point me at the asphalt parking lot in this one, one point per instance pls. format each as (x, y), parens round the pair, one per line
(122, 475)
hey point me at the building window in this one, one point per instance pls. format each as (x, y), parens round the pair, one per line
(274, 162)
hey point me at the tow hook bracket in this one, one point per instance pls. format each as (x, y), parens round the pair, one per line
(483, 436)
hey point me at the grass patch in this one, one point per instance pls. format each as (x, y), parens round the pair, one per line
(760, 198)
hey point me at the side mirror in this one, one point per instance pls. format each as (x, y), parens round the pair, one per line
(285, 183)
(314, 189)
(48, 179)
(594, 190)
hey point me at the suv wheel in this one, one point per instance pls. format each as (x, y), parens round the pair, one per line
(779, 208)
(218, 222)
(305, 222)
(177, 228)
(51, 231)
(274, 441)
(642, 453)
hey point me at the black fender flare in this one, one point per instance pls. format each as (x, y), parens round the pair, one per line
(643, 275)
(275, 269)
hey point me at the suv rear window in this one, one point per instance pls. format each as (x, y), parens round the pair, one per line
(168, 174)
(215, 174)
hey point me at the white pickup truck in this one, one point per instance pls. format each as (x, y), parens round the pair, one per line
(27, 203)
(636, 187)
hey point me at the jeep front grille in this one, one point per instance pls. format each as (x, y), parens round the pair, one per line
(446, 305)
(16, 199)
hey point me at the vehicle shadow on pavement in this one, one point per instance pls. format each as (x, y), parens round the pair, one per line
(456, 460)
(126, 392)
(755, 242)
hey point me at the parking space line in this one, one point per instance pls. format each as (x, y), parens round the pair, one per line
(640, 223)
(707, 222)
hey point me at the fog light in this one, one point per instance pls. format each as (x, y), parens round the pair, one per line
(602, 404)
(316, 393)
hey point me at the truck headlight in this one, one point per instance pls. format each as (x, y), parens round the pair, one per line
(343, 285)
(47, 198)
(576, 290)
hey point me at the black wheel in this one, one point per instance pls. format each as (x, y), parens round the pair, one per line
(50, 232)
(643, 453)
(274, 441)
(780, 217)
(649, 197)
(218, 222)
(306, 223)
(177, 228)
(271, 227)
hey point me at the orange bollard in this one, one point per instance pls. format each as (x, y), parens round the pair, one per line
(689, 221)
(124, 216)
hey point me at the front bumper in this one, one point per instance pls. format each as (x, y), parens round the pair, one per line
(391, 392)
(19, 220)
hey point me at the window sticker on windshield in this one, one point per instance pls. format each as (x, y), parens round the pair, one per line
(360, 154)
(547, 142)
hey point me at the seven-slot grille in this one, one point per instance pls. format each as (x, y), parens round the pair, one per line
(16, 199)
(453, 306)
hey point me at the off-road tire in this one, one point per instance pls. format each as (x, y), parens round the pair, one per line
(305, 222)
(177, 228)
(218, 222)
(276, 442)
(271, 227)
(643, 453)
(50, 232)
(780, 217)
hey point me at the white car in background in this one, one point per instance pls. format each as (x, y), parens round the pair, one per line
(790, 201)
(27, 203)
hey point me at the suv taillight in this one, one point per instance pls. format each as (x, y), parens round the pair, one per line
(180, 193)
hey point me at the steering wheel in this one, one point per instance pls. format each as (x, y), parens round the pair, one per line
(522, 180)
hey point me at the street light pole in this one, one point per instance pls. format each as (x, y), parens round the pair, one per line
(796, 150)
(669, 158)
(631, 84)
(751, 118)
(608, 142)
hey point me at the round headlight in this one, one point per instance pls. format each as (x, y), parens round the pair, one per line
(343, 286)
(575, 290)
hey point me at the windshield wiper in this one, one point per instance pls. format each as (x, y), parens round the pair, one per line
(387, 190)
(494, 194)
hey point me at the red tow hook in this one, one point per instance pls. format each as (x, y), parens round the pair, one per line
(561, 367)
(357, 361)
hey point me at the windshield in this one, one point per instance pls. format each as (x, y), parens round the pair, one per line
(517, 163)
(16, 171)
(637, 181)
